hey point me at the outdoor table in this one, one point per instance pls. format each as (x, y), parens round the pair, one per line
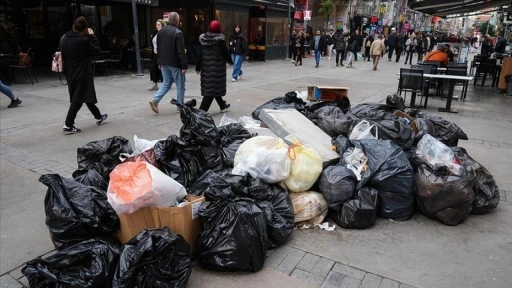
(451, 79)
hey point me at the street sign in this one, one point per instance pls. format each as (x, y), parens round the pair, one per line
(307, 15)
(153, 3)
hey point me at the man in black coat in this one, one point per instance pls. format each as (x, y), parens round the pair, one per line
(392, 43)
(171, 58)
(78, 47)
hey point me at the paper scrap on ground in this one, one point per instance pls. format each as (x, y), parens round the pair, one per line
(326, 226)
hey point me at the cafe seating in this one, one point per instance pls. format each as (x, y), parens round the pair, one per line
(460, 71)
(24, 66)
(145, 58)
(100, 60)
(411, 80)
(476, 61)
(487, 67)
(114, 60)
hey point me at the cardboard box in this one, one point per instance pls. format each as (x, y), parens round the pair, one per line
(323, 93)
(132, 224)
(180, 220)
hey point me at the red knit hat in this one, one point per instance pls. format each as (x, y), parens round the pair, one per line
(215, 26)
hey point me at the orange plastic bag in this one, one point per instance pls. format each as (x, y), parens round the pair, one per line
(134, 185)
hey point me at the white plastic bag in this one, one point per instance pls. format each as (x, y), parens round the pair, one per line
(225, 120)
(363, 130)
(308, 205)
(437, 154)
(264, 157)
(142, 144)
(356, 161)
(134, 185)
(305, 168)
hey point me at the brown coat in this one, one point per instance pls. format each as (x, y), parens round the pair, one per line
(377, 48)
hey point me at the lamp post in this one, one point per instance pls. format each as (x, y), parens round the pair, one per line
(289, 28)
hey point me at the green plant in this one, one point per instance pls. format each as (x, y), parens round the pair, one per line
(487, 28)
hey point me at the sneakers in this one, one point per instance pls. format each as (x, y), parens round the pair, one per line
(70, 130)
(316, 66)
(226, 106)
(154, 106)
(103, 118)
(14, 103)
(154, 87)
(239, 77)
(233, 80)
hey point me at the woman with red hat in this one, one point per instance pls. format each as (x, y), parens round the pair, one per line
(212, 67)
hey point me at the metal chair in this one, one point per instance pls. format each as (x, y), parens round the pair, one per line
(98, 60)
(460, 71)
(411, 80)
(146, 58)
(114, 60)
(476, 61)
(25, 68)
(485, 68)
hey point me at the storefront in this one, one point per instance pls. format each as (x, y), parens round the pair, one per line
(39, 24)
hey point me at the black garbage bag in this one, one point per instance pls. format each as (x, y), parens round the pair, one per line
(390, 172)
(231, 137)
(154, 258)
(424, 126)
(341, 143)
(289, 101)
(233, 235)
(92, 177)
(104, 153)
(372, 111)
(389, 126)
(198, 127)
(332, 121)
(487, 194)
(442, 195)
(280, 224)
(75, 212)
(337, 183)
(226, 186)
(447, 132)
(91, 263)
(395, 100)
(180, 161)
(357, 213)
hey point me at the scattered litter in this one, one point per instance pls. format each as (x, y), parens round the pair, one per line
(326, 226)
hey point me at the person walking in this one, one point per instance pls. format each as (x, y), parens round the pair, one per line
(422, 46)
(340, 46)
(15, 101)
(367, 44)
(330, 43)
(377, 50)
(78, 47)
(391, 43)
(238, 49)
(351, 48)
(410, 43)
(212, 67)
(400, 42)
(300, 40)
(318, 46)
(155, 74)
(172, 60)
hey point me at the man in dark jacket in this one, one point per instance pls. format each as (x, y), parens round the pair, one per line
(212, 67)
(486, 49)
(171, 58)
(77, 48)
(319, 45)
(238, 49)
(391, 43)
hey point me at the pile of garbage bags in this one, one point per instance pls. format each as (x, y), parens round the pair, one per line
(258, 189)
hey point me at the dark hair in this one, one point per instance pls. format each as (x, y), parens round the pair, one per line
(234, 27)
(80, 24)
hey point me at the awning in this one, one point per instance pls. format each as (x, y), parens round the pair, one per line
(445, 8)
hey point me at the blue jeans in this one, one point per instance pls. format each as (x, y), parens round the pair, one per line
(318, 53)
(6, 90)
(237, 65)
(171, 75)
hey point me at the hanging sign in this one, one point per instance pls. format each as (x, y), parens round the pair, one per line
(307, 14)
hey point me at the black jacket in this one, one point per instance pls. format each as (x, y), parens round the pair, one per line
(77, 52)
(212, 64)
(238, 45)
(170, 47)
